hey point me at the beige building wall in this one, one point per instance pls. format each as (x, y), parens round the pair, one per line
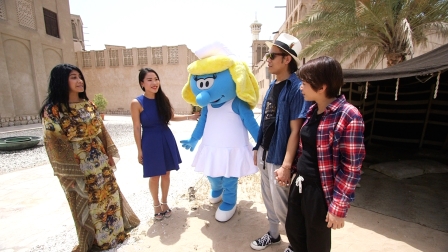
(114, 73)
(78, 33)
(260, 68)
(264, 78)
(259, 50)
(28, 53)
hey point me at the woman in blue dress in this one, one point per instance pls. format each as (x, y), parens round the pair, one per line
(157, 148)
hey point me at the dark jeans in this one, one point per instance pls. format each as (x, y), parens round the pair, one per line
(305, 223)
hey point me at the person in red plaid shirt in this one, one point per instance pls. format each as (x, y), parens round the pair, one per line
(330, 156)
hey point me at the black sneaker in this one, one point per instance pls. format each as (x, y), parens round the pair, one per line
(264, 241)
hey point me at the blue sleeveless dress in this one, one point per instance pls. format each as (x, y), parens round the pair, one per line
(159, 148)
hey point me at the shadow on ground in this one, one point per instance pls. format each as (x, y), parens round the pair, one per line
(421, 199)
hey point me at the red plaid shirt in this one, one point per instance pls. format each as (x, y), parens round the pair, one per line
(340, 151)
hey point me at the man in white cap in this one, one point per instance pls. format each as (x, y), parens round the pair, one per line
(283, 113)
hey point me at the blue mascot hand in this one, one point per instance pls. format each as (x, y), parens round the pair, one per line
(189, 144)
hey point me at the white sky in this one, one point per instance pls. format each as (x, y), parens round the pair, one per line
(143, 23)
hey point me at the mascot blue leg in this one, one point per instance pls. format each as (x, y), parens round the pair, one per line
(216, 192)
(228, 206)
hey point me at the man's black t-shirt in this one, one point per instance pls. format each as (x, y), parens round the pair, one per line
(270, 114)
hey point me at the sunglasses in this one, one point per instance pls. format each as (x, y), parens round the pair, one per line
(273, 55)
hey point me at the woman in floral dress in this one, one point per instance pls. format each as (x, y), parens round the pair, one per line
(82, 155)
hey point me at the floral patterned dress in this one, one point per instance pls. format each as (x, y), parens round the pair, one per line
(94, 181)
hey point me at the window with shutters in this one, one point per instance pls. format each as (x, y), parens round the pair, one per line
(86, 59)
(173, 56)
(25, 14)
(99, 55)
(51, 23)
(142, 56)
(75, 35)
(113, 57)
(2, 10)
(157, 57)
(128, 59)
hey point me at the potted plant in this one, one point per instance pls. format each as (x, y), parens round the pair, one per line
(196, 110)
(100, 103)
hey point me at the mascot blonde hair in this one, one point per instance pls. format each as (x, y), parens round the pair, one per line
(246, 85)
(227, 92)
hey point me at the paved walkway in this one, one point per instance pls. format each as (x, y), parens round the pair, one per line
(20, 127)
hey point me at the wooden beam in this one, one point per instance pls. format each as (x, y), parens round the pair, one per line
(367, 139)
(383, 102)
(364, 101)
(401, 111)
(438, 112)
(445, 145)
(403, 140)
(368, 103)
(369, 111)
(365, 122)
(408, 93)
(394, 139)
(439, 102)
(374, 112)
(356, 103)
(350, 93)
(435, 143)
(399, 121)
(437, 123)
(428, 110)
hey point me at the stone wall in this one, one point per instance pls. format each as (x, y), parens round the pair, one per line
(121, 111)
(114, 73)
(19, 120)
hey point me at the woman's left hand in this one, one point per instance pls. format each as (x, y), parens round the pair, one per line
(194, 117)
(283, 176)
(334, 221)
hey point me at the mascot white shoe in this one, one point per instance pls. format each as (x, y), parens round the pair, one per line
(227, 91)
(214, 200)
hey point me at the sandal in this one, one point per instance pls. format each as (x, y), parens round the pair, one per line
(159, 216)
(167, 212)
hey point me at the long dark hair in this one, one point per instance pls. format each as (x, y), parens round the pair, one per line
(58, 88)
(163, 103)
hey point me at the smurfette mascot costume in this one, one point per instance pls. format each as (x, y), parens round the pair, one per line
(227, 92)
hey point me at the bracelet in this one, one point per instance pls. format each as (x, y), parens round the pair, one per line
(286, 168)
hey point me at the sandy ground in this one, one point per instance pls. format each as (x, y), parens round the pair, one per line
(34, 216)
(192, 227)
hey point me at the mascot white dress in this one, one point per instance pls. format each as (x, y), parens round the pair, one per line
(227, 92)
